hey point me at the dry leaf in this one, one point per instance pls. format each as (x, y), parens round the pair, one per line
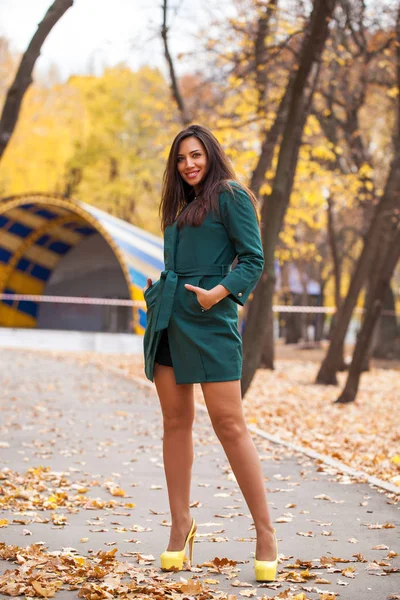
(248, 593)
(349, 572)
(378, 526)
(192, 587)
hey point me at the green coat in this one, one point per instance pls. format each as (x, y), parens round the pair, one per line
(205, 345)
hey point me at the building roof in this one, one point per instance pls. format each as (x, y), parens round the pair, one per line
(37, 230)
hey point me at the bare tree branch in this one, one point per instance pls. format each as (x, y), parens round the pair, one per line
(23, 78)
(174, 81)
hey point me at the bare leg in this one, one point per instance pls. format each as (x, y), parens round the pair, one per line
(224, 405)
(177, 405)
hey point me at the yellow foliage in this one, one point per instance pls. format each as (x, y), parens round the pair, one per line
(366, 171)
(393, 92)
(265, 189)
(109, 134)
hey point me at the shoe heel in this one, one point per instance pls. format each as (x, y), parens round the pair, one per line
(191, 546)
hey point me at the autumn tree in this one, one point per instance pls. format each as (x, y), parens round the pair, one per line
(373, 251)
(23, 77)
(275, 207)
(374, 307)
(118, 157)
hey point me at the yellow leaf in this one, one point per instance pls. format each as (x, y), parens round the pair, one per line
(396, 459)
(393, 92)
(265, 189)
(116, 491)
(191, 588)
(366, 170)
(4, 522)
(43, 592)
(349, 572)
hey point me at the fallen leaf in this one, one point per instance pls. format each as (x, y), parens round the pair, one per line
(378, 526)
(349, 572)
(192, 587)
(248, 593)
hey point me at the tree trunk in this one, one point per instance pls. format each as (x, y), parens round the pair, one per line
(267, 355)
(373, 276)
(254, 331)
(293, 329)
(74, 177)
(23, 78)
(320, 317)
(274, 210)
(263, 30)
(388, 330)
(337, 271)
(389, 203)
(371, 317)
(270, 141)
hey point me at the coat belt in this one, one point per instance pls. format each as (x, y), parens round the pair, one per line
(167, 289)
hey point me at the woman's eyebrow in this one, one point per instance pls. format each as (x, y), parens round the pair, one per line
(191, 152)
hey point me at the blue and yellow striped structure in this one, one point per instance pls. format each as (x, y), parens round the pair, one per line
(38, 230)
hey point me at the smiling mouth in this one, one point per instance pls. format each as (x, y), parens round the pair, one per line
(193, 174)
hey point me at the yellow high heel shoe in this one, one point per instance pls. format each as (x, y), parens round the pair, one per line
(266, 569)
(173, 560)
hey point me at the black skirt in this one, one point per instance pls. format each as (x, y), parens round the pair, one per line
(163, 354)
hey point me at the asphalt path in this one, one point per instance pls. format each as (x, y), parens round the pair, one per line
(101, 432)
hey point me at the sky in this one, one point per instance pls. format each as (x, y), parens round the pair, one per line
(96, 33)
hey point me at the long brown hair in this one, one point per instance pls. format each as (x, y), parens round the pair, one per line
(177, 194)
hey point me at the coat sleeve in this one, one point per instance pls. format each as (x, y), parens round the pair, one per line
(240, 221)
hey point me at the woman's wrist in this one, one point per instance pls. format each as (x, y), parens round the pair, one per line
(218, 293)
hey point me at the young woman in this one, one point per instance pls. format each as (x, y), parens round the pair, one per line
(209, 219)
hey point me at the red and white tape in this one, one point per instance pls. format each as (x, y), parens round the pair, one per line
(141, 304)
(73, 300)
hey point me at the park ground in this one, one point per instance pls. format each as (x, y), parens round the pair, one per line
(83, 502)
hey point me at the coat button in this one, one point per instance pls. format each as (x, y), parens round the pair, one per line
(240, 294)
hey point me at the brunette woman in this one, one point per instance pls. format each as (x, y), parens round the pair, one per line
(192, 336)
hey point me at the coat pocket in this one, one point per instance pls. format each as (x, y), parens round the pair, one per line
(207, 284)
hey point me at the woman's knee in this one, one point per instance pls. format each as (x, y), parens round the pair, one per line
(229, 428)
(177, 421)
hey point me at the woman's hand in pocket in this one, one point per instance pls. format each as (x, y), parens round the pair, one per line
(207, 298)
(204, 297)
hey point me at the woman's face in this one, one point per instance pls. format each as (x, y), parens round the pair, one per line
(192, 161)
